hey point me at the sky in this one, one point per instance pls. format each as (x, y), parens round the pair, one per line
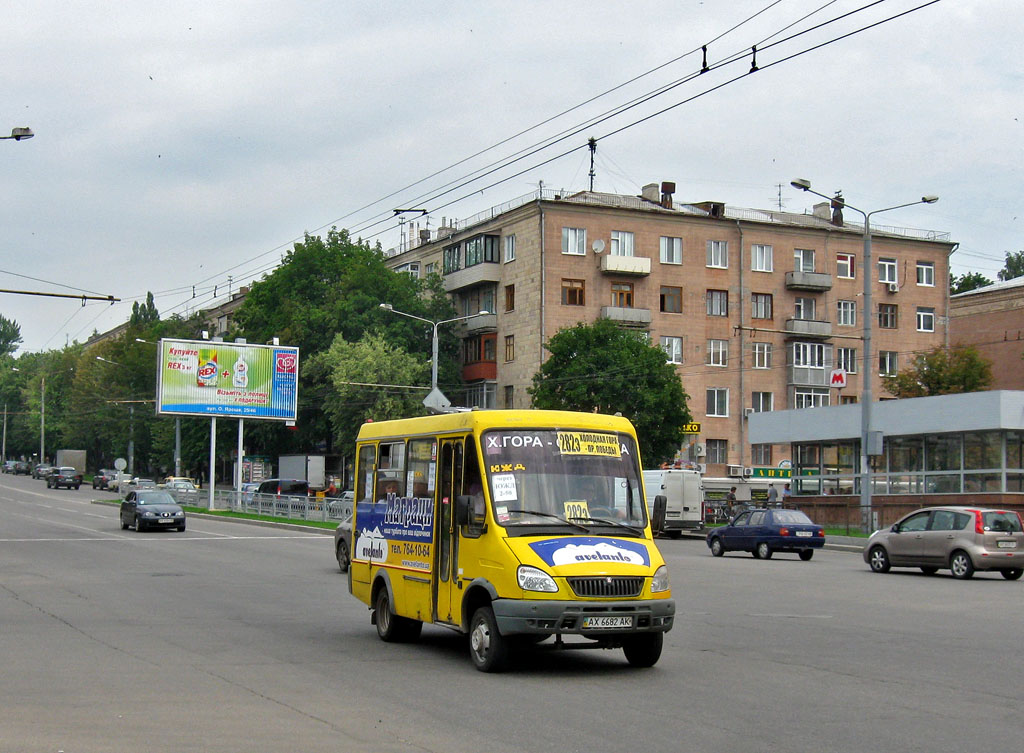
(181, 148)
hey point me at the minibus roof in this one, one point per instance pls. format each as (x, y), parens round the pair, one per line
(479, 420)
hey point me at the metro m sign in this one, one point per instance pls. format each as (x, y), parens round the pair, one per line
(837, 378)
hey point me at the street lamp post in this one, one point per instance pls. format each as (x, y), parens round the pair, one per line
(131, 424)
(869, 444)
(436, 399)
(42, 407)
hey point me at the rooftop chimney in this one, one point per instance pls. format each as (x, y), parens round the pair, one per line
(667, 189)
(650, 192)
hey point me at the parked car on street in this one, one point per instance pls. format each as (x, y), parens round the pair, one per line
(42, 470)
(181, 485)
(22, 468)
(248, 490)
(282, 496)
(151, 508)
(9, 466)
(102, 478)
(343, 544)
(171, 479)
(65, 476)
(959, 539)
(762, 532)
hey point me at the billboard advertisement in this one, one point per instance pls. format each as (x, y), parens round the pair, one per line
(206, 378)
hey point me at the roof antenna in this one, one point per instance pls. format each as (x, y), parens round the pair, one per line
(592, 144)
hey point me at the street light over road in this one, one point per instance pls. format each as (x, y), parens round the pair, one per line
(435, 400)
(131, 423)
(869, 444)
(20, 134)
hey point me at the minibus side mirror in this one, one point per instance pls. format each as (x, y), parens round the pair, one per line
(463, 506)
(658, 513)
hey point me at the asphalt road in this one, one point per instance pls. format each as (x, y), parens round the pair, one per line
(234, 637)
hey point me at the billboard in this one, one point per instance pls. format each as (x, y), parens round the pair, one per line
(206, 378)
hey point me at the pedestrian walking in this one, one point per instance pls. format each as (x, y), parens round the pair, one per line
(773, 495)
(786, 494)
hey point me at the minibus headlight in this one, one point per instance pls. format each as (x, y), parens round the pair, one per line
(532, 579)
(660, 580)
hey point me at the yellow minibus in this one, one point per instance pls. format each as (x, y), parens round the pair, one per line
(511, 526)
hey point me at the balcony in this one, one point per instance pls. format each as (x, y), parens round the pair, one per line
(816, 281)
(478, 325)
(472, 372)
(625, 265)
(470, 276)
(808, 376)
(628, 317)
(808, 328)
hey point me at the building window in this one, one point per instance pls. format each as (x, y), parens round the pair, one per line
(803, 308)
(803, 260)
(510, 297)
(761, 454)
(622, 294)
(887, 270)
(888, 364)
(925, 319)
(510, 248)
(429, 268)
(846, 358)
(574, 241)
(671, 250)
(762, 402)
(622, 243)
(718, 303)
(846, 313)
(490, 348)
(671, 300)
(762, 355)
(888, 315)
(761, 305)
(574, 292)
(452, 258)
(761, 258)
(809, 355)
(718, 402)
(718, 353)
(718, 451)
(807, 397)
(480, 249)
(718, 254)
(847, 399)
(846, 266)
(510, 348)
(673, 347)
(926, 273)
(508, 393)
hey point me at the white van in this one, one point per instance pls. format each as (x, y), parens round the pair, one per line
(684, 499)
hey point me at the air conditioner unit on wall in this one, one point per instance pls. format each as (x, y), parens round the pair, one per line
(748, 471)
(747, 412)
(893, 287)
(699, 450)
(736, 470)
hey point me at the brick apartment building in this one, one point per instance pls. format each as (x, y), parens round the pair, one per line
(755, 307)
(992, 320)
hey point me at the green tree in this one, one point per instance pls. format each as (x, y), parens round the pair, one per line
(146, 313)
(333, 286)
(602, 367)
(1014, 266)
(10, 336)
(349, 367)
(970, 281)
(943, 371)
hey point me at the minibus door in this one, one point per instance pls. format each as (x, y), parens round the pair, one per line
(446, 557)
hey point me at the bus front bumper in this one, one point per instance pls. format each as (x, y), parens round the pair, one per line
(586, 618)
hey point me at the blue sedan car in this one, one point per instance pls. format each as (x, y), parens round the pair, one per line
(764, 532)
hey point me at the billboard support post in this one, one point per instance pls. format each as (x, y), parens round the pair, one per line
(213, 459)
(238, 472)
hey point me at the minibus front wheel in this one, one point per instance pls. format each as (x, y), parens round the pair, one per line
(487, 647)
(643, 649)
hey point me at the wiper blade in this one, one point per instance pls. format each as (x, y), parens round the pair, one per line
(608, 521)
(560, 519)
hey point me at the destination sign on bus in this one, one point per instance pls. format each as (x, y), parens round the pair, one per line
(588, 443)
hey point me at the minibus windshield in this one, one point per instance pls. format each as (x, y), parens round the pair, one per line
(575, 479)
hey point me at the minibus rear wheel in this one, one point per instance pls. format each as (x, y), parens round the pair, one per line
(391, 627)
(644, 649)
(487, 647)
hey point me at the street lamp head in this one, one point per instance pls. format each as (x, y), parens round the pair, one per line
(387, 307)
(801, 183)
(483, 312)
(930, 199)
(19, 134)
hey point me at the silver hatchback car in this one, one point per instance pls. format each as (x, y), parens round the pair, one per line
(960, 539)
